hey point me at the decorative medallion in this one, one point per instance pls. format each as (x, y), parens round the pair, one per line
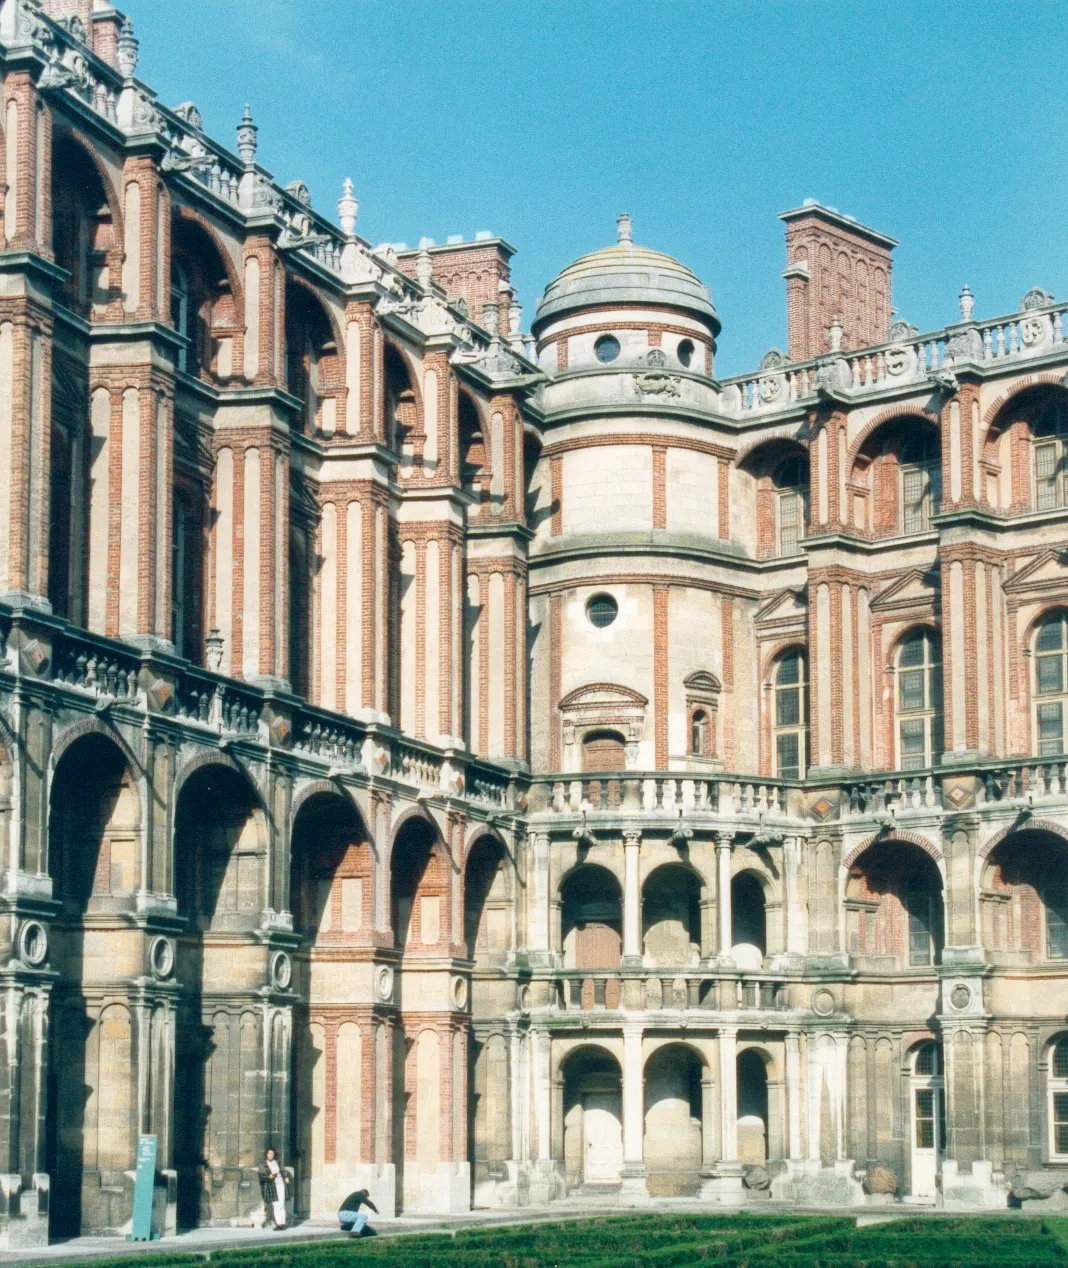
(33, 944)
(823, 1002)
(384, 983)
(960, 997)
(459, 992)
(281, 970)
(161, 958)
(522, 997)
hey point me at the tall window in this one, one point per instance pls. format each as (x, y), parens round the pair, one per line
(791, 484)
(182, 317)
(791, 716)
(699, 737)
(1050, 430)
(1057, 1089)
(1055, 901)
(921, 482)
(919, 700)
(923, 912)
(1051, 683)
(929, 1114)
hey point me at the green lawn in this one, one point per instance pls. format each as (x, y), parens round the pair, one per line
(663, 1241)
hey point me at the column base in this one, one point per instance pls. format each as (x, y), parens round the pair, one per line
(444, 1189)
(723, 1184)
(323, 1195)
(808, 1183)
(633, 1190)
(23, 1213)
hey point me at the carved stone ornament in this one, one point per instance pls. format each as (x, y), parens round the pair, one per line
(300, 192)
(773, 359)
(68, 71)
(459, 993)
(823, 1002)
(898, 361)
(656, 358)
(384, 983)
(161, 958)
(965, 345)
(522, 999)
(960, 997)
(1034, 331)
(1036, 297)
(901, 331)
(833, 378)
(653, 383)
(281, 970)
(189, 113)
(265, 197)
(772, 388)
(73, 25)
(33, 944)
(145, 115)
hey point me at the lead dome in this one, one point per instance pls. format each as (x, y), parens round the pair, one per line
(625, 275)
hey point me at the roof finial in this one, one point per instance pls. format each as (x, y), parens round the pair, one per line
(625, 228)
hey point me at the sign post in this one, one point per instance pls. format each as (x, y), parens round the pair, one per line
(144, 1190)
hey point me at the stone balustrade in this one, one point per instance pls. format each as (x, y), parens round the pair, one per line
(668, 990)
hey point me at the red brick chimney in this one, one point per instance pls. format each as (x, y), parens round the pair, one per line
(835, 267)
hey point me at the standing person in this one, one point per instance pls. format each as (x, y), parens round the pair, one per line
(349, 1216)
(274, 1183)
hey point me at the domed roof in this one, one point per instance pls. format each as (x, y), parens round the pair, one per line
(625, 275)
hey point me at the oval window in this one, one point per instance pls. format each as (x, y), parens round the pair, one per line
(685, 353)
(607, 348)
(602, 610)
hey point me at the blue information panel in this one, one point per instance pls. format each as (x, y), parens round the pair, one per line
(144, 1189)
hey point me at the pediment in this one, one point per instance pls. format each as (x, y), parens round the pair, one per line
(603, 694)
(785, 605)
(703, 680)
(914, 588)
(1046, 571)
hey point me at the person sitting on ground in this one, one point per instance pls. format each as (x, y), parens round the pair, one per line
(349, 1216)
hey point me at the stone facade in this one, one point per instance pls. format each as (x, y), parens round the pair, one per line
(490, 767)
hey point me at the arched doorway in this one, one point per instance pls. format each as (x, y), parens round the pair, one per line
(673, 1147)
(894, 906)
(591, 919)
(752, 1108)
(227, 1105)
(593, 1117)
(1025, 903)
(671, 916)
(332, 901)
(749, 921)
(95, 828)
(487, 902)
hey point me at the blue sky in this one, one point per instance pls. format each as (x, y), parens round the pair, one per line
(942, 124)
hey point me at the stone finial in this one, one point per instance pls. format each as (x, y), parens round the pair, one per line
(213, 649)
(126, 50)
(624, 228)
(967, 303)
(424, 268)
(515, 318)
(834, 333)
(490, 315)
(348, 208)
(246, 138)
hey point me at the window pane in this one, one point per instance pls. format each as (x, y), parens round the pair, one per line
(1057, 922)
(788, 753)
(913, 696)
(1050, 675)
(1060, 1122)
(1050, 636)
(1050, 729)
(788, 709)
(789, 670)
(913, 649)
(912, 490)
(1060, 1060)
(920, 929)
(913, 744)
(1046, 476)
(925, 1118)
(925, 1059)
(789, 506)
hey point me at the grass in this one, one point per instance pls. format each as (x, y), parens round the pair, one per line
(672, 1241)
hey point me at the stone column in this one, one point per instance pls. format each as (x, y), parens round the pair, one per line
(632, 898)
(724, 842)
(794, 913)
(539, 914)
(793, 1095)
(633, 1115)
(539, 1042)
(708, 1122)
(728, 1093)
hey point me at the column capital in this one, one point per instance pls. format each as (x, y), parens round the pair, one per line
(632, 838)
(729, 1032)
(724, 840)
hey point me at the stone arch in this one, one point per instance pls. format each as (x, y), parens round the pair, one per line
(796, 435)
(898, 834)
(1020, 387)
(895, 414)
(892, 901)
(671, 905)
(420, 871)
(923, 624)
(776, 652)
(413, 423)
(489, 895)
(401, 822)
(331, 890)
(318, 787)
(74, 136)
(675, 1078)
(1031, 825)
(214, 757)
(188, 215)
(91, 726)
(590, 1081)
(590, 899)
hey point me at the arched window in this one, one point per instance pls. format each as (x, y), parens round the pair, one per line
(1057, 1093)
(791, 716)
(919, 700)
(1049, 431)
(182, 314)
(923, 905)
(1051, 683)
(791, 483)
(699, 733)
(921, 481)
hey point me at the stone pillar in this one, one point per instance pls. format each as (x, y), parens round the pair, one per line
(540, 907)
(543, 1110)
(24, 1183)
(632, 898)
(709, 1116)
(724, 842)
(633, 1115)
(793, 1095)
(794, 913)
(726, 1185)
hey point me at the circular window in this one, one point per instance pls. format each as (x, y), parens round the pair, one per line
(607, 348)
(602, 610)
(685, 353)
